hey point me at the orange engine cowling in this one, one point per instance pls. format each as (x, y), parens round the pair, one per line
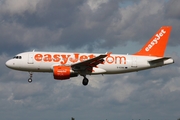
(63, 72)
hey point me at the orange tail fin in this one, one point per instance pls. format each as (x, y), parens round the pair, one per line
(156, 46)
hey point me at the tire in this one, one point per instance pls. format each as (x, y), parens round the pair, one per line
(85, 81)
(29, 80)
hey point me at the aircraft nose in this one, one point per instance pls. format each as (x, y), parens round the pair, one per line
(9, 64)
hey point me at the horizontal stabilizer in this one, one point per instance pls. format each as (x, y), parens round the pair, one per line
(159, 60)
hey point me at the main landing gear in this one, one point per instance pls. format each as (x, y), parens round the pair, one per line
(85, 81)
(30, 79)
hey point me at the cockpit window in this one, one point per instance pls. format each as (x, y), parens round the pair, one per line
(17, 57)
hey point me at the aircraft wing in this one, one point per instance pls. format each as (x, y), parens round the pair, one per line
(87, 65)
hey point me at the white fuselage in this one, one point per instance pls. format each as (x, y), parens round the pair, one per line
(67, 65)
(113, 64)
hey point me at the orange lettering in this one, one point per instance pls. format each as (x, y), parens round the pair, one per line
(83, 58)
(38, 57)
(47, 58)
(76, 56)
(91, 56)
(65, 59)
(110, 59)
(121, 59)
(56, 58)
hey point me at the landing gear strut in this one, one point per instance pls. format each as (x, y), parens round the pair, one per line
(85, 81)
(30, 79)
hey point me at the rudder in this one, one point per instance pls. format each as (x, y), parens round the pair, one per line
(156, 46)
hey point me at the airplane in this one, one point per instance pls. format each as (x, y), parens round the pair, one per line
(65, 65)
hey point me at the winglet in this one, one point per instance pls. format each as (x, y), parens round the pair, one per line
(156, 46)
(108, 53)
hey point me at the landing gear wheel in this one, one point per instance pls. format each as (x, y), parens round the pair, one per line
(29, 80)
(85, 81)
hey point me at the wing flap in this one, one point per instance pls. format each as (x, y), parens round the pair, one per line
(98, 71)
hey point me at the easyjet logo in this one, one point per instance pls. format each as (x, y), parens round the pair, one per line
(155, 40)
(76, 57)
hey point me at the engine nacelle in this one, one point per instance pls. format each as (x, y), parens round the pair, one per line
(63, 72)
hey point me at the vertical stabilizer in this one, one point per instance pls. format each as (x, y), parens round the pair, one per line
(156, 46)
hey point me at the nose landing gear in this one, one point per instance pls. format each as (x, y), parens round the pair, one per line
(30, 79)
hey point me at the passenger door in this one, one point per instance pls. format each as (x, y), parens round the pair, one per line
(134, 62)
(30, 58)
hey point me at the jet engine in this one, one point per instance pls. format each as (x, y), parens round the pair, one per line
(63, 72)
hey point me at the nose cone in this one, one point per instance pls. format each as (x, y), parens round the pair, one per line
(9, 64)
